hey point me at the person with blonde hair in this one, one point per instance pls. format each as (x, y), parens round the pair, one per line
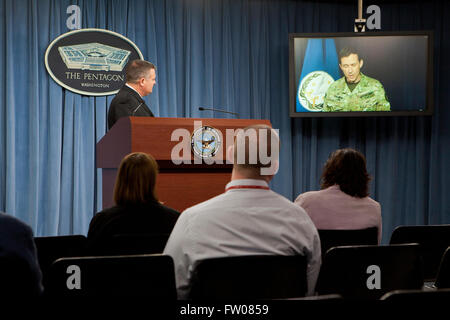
(137, 209)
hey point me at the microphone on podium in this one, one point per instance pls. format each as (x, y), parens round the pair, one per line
(140, 104)
(218, 110)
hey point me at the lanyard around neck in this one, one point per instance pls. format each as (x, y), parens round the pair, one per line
(247, 187)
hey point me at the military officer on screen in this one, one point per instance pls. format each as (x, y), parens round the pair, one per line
(355, 91)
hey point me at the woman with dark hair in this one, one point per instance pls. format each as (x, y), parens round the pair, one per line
(343, 201)
(137, 210)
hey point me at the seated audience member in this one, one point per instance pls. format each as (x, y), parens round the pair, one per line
(248, 218)
(20, 274)
(137, 209)
(343, 201)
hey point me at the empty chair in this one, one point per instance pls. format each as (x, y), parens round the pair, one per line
(127, 244)
(443, 275)
(418, 297)
(336, 237)
(51, 248)
(286, 308)
(250, 277)
(433, 240)
(368, 272)
(151, 276)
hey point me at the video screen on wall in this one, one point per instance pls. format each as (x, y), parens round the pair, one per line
(361, 74)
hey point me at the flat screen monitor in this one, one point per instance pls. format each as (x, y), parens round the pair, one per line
(361, 74)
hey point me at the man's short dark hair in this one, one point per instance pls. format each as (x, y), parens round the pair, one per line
(347, 168)
(345, 52)
(138, 69)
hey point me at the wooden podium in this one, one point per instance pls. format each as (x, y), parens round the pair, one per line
(178, 186)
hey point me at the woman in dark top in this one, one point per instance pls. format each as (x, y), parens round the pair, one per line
(137, 210)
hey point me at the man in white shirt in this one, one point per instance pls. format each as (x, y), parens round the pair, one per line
(247, 219)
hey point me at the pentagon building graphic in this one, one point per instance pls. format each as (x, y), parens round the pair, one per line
(94, 56)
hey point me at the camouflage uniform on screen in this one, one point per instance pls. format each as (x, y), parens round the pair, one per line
(368, 95)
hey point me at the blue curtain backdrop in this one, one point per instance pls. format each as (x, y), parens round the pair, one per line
(222, 53)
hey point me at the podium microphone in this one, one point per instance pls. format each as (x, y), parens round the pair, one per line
(136, 109)
(218, 110)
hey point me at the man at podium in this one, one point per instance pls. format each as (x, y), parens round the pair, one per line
(140, 79)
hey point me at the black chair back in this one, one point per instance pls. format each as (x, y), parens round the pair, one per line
(334, 237)
(443, 275)
(433, 240)
(51, 248)
(326, 297)
(150, 276)
(368, 272)
(418, 298)
(127, 244)
(250, 277)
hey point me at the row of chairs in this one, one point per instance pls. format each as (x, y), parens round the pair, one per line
(353, 272)
(52, 248)
(433, 240)
(331, 277)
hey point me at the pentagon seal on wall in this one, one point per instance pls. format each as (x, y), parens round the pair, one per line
(90, 61)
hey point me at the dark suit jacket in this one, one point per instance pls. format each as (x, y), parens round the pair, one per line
(126, 103)
(20, 273)
(144, 219)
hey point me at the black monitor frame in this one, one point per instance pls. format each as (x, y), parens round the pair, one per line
(430, 72)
